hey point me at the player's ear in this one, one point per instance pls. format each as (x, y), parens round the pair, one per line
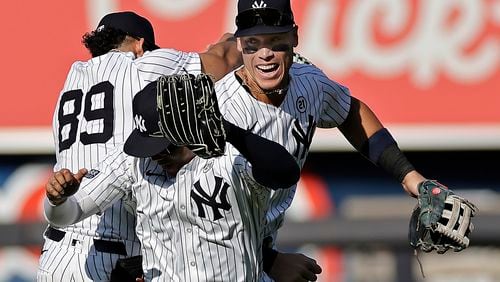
(138, 47)
(238, 44)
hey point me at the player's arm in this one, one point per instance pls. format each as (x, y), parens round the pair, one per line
(61, 206)
(99, 189)
(272, 165)
(221, 58)
(366, 133)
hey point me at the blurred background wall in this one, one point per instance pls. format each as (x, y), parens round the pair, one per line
(429, 69)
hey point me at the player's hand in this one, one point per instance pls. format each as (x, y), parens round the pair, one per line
(294, 267)
(63, 184)
(225, 37)
(411, 182)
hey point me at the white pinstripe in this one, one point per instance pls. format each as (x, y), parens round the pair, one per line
(312, 100)
(178, 244)
(126, 76)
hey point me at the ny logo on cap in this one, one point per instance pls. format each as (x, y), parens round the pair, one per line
(139, 123)
(256, 5)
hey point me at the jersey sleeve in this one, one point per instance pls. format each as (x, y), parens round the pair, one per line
(166, 62)
(110, 180)
(336, 102)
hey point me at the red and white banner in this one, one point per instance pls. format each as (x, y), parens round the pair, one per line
(418, 64)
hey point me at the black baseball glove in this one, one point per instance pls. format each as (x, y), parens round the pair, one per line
(441, 220)
(189, 113)
(127, 270)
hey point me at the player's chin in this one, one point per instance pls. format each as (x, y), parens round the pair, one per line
(269, 83)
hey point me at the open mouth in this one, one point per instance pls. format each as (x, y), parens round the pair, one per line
(269, 68)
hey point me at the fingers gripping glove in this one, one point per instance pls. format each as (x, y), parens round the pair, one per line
(441, 220)
(189, 113)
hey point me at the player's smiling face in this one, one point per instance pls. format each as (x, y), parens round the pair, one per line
(268, 58)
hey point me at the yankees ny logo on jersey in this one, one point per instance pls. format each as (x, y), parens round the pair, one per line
(201, 197)
(303, 138)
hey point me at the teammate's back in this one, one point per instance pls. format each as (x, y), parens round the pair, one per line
(94, 110)
(92, 116)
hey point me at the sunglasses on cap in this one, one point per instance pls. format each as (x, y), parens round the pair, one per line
(263, 16)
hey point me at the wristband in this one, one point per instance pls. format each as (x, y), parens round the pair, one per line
(382, 150)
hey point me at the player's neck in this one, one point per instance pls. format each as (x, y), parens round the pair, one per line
(274, 98)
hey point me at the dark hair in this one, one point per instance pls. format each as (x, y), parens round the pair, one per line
(101, 42)
(146, 46)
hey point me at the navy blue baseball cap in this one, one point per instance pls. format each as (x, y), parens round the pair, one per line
(146, 140)
(263, 17)
(132, 24)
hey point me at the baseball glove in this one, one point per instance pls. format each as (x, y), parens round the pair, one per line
(441, 220)
(189, 114)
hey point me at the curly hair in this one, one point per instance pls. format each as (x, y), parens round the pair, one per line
(100, 42)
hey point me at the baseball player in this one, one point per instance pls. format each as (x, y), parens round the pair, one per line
(92, 116)
(197, 219)
(285, 102)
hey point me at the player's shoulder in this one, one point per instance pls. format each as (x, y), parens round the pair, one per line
(168, 61)
(168, 53)
(229, 78)
(227, 85)
(312, 72)
(103, 59)
(298, 69)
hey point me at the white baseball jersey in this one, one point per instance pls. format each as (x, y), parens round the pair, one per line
(312, 100)
(92, 116)
(203, 225)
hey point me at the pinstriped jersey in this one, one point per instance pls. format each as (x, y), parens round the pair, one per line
(204, 224)
(312, 100)
(94, 114)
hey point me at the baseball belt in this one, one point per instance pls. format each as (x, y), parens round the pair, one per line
(99, 245)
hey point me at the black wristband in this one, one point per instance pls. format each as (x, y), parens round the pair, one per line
(394, 161)
(382, 150)
(373, 148)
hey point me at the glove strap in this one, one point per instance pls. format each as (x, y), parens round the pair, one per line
(415, 253)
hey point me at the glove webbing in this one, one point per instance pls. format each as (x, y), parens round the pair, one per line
(459, 213)
(167, 89)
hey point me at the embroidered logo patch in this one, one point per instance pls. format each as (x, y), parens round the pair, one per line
(92, 173)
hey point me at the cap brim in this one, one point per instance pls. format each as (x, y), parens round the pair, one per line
(140, 146)
(263, 29)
